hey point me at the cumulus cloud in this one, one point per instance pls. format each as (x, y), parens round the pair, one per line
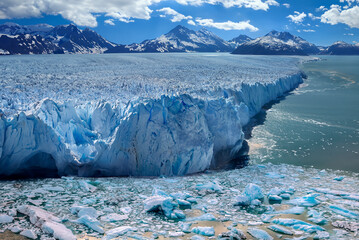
(110, 22)
(254, 4)
(308, 30)
(287, 5)
(191, 22)
(81, 12)
(175, 16)
(337, 15)
(229, 25)
(313, 17)
(297, 17)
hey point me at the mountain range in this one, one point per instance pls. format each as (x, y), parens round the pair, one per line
(47, 39)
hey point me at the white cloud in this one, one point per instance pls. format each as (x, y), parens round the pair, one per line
(311, 15)
(176, 16)
(297, 17)
(254, 4)
(349, 34)
(321, 8)
(110, 22)
(191, 22)
(308, 30)
(287, 5)
(229, 25)
(336, 15)
(81, 12)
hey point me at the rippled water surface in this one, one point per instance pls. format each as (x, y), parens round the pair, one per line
(318, 124)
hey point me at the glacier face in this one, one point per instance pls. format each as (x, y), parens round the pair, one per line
(161, 134)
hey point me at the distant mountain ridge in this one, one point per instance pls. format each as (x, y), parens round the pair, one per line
(277, 43)
(342, 48)
(179, 39)
(47, 39)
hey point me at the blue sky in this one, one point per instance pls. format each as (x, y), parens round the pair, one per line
(126, 21)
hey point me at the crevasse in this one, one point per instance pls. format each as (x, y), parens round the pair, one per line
(175, 135)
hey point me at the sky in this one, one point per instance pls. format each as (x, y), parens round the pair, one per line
(321, 22)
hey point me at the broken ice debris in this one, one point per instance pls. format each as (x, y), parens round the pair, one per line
(259, 234)
(47, 222)
(316, 217)
(205, 231)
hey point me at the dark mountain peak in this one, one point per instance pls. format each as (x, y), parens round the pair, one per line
(241, 39)
(179, 29)
(285, 36)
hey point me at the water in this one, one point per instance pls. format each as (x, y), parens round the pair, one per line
(317, 124)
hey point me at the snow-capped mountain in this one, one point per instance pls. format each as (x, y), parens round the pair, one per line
(277, 43)
(27, 44)
(240, 39)
(68, 38)
(180, 39)
(342, 48)
(75, 40)
(16, 29)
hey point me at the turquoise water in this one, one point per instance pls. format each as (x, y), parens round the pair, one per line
(317, 124)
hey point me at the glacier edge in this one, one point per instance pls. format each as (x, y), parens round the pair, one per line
(175, 135)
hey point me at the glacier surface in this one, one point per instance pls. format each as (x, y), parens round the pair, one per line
(143, 115)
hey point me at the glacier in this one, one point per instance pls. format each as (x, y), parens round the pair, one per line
(175, 133)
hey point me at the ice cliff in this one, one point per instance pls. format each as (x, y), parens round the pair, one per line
(168, 135)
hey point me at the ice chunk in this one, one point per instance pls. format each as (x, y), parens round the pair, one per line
(29, 234)
(59, 231)
(159, 203)
(113, 217)
(205, 231)
(184, 203)
(126, 210)
(293, 210)
(204, 217)
(82, 211)
(259, 234)
(117, 232)
(306, 201)
(280, 229)
(298, 224)
(5, 219)
(210, 186)
(344, 212)
(339, 178)
(250, 193)
(90, 223)
(274, 199)
(197, 237)
(185, 227)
